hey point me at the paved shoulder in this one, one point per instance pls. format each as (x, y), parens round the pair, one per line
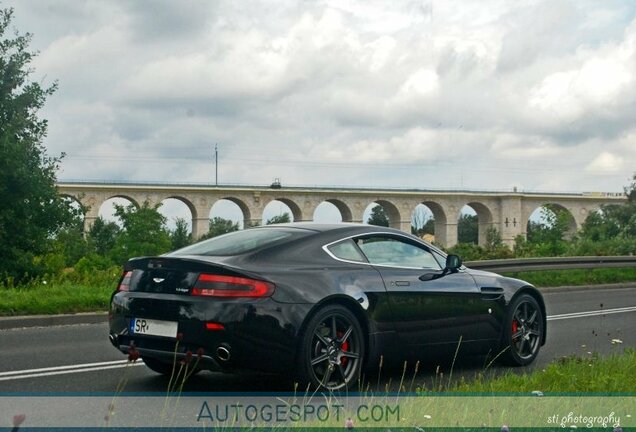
(52, 320)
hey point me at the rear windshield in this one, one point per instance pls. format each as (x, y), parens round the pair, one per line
(240, 242)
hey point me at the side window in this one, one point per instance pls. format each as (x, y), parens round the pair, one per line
(346, 250)
(390, 251)
(440, 259)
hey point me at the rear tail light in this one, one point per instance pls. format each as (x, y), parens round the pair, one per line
(213, 326)
(124, 285)
(231, 286)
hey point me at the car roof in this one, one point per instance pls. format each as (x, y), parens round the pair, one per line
(324, 227)
(335, 231)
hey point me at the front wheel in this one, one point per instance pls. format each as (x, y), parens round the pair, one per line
(523, 331)
(332, 349)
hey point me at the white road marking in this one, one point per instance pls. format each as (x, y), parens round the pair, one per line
(98, 366)
(61, 370)
(56, 368)
(591, 313)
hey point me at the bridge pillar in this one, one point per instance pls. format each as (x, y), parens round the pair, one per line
(482, 232)
(92, 203)
(200, 227)
(357, 213)
(89, 219)
(512, 222)
(449, 231)
(249, 223)
(405, 225)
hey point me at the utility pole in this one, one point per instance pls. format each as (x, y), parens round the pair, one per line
(216, 164)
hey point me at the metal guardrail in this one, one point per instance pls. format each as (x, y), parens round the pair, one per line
(552, 263)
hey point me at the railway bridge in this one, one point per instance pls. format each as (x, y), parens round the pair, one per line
(508, 211)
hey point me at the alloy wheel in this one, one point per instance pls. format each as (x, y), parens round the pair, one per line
(526, 329)
(336, 350)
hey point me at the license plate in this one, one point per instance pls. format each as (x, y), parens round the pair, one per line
(153, 327)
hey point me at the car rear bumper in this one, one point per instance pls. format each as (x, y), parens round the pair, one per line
(257, 334)
(204, 361)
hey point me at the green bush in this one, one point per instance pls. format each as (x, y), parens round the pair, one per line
(93, 262)
(467, 251)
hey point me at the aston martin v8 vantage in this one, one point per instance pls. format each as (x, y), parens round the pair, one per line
(324, 301)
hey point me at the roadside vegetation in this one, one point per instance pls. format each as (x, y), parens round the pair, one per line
(588, 373)
(556, 278)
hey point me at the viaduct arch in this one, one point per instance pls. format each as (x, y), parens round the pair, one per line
(507, 211)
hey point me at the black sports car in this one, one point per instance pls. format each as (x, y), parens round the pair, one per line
(324, 301)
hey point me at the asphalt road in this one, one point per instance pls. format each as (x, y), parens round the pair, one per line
(79, 358)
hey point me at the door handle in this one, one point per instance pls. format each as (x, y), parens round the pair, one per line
(402, 283)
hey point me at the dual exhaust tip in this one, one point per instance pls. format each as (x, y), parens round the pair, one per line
(222, 351)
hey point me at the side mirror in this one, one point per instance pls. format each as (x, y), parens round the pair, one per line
(453, 262)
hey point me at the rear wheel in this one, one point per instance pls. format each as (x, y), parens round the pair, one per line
(332, 349)
(523, 331)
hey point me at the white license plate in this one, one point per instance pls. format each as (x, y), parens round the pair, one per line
(153, 327)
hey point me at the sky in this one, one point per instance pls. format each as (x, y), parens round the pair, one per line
(426, 94)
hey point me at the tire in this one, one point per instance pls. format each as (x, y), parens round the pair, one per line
(332, 349)
(523, 331)
(165, 368)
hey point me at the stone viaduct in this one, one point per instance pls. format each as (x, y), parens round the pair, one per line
(507, 211)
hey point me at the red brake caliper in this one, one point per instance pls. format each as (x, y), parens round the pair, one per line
(515, 326)
(345, 347)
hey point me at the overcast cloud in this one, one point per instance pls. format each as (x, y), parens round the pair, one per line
(426, 94)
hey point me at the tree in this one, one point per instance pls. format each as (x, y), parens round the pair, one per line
(598, 227)
(467, 229)
(143, 232)
(427, 228)
(180, 237)
(71, 243)
(102, 236)
(495, 247)
(378, 217)
(548, 234)
(219, 225)
(281, 218)
(613, 220)
(31, 211)
(421, 222)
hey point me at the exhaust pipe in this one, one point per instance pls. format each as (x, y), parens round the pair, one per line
(114, 340)
(223, 352)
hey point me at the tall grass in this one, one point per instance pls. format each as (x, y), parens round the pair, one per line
(69, 292)
(590, 373)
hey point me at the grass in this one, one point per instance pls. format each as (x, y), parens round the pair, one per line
(65, 297)
(553, 278)
(70, 292)
(588, 374)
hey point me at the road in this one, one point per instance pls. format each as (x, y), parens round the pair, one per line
(79, 358)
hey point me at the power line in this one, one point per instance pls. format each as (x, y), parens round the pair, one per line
(350, 165)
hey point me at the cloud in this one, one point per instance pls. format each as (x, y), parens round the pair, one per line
(407, 93)
(605, 162)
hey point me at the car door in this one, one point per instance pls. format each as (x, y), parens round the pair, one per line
(427, 313)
